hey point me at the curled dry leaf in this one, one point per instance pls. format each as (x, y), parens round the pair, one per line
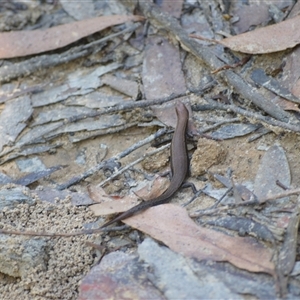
(22, 43)
(273, 38)
(171, 224)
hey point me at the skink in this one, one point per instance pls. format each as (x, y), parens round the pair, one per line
(179, 166)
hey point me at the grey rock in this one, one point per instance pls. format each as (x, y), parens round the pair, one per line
(10, 197)
(33, 164)
(20, 255)
(176, 280)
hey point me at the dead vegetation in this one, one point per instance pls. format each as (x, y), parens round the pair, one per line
(84, 127)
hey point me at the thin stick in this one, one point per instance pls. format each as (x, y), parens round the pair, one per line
(280, 195)
(100, 230)
(31, 65)
(126, 106)
(218, 124)
(253, 115)
(113, 159)
(211, 210)
(171, 24)
(59, 234)
(119, 172)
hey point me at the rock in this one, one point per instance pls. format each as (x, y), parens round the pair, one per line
(10, 197)
(20, 255)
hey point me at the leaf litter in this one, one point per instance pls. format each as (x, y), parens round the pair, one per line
(22, 43)
(172, 225)
(284, 35)
(91, 87)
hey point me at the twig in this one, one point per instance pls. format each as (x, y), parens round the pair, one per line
(253, 115)
(280, 195)
(202, 38)
(233, 66)
(229, 190)
(204, 54)
(115, 158)
(119, 172)
(81, 136)
(117, 108)
(36, 63)
(218, 124)
(99, 230)
(126, 106)
(50, 234)
(212, 210)
(258, 134)
(195, 196)
(60, 234)
(21, 91)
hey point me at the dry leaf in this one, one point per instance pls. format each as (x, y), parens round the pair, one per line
(22, 43)
(154, 188)
(252, 14)
(261, 78)
(167, 115)
(286, 105)
(269, 39)
(171, 224)
(160, 60)
(35, 176)
(273, 166)
(291, 72)
(116, 206)
(97, 194)
(150, 191)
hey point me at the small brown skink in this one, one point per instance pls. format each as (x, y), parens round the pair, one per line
(179, 167)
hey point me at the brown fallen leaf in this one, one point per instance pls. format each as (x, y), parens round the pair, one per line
(273, 38)
(253, 14)
(166, 113)
(97, 194)
(273, 167)
(150, 191)
(171, 224)
(286, 105)
(22, 43)
(117, 206)
(154, 188)
(161, 59)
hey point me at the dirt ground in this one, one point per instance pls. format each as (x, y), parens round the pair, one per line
(69, 259)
